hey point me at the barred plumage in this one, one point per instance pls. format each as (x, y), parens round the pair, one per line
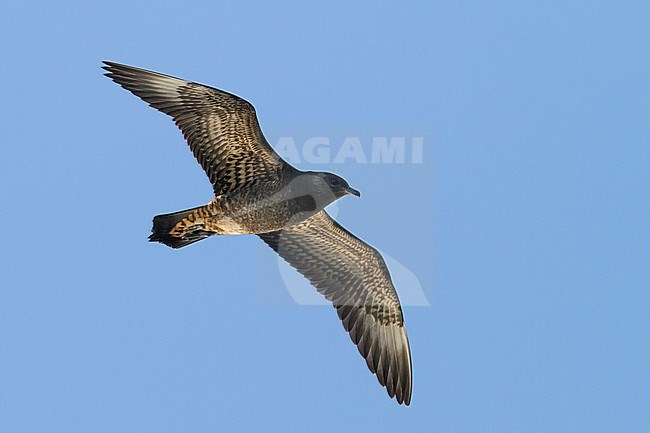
(257, 192)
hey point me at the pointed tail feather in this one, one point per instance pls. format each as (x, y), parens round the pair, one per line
(166, 229)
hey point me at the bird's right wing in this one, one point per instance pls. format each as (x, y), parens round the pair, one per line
(221, 129)
(354, 277)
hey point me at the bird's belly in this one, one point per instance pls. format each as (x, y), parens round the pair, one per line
(259, 217)
(256, 222)
(227, 226)
(246, 213)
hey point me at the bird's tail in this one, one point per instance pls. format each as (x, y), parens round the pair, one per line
(181, 228)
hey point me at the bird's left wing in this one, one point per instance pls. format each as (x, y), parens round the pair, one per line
(354, 277)
(221, 129)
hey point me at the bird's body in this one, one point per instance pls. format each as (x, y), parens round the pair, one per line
(256, 192)
(260, 208)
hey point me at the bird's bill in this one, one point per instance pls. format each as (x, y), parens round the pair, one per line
(352, 191)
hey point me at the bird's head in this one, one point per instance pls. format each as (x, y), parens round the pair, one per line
(323, 188)
(336, 185)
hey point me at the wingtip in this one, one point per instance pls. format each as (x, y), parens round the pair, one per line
(109, 67)
(107, 64)
(117, 68)
(403, 396)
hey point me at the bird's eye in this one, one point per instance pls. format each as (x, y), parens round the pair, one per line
(334, 181)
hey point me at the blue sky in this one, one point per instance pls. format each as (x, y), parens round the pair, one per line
(526, 223)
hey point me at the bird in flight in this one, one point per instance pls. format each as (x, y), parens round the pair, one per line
(257, 192)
